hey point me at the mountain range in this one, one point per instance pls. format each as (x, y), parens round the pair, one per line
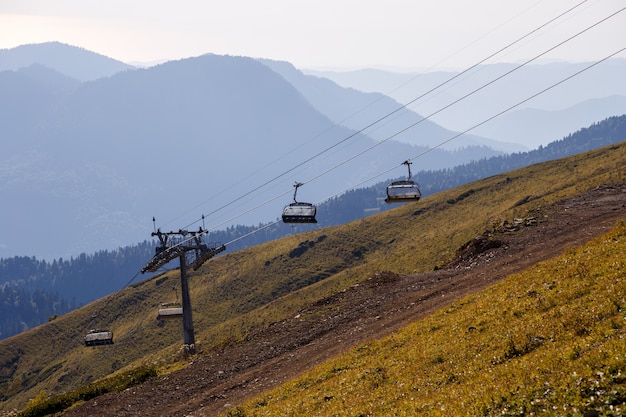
(91, 162)
(583, 99)
(74, 62)
(93, 148)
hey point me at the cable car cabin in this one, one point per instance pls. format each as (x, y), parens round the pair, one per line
(169, 313)
(299, 213)
(98, 337)
(403, 191)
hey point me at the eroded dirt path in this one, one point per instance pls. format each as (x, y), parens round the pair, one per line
(379, 306)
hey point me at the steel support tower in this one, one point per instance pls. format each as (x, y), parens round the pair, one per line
(192, 253)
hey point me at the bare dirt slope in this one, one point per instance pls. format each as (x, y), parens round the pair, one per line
(377, 307)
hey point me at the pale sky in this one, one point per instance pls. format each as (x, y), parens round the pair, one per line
(320, 34)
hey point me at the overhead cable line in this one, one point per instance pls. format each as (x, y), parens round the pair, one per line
(519, 103)
(432, 67)
(265, 226)
(424, 118)
(443, 142)
(131, 280)
(451, 104)
(482, 61)
(404, 106)
(412, 125)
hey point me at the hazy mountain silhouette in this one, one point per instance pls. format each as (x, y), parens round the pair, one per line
(536, 127)
(91, 163)
(600, 84)
(358, 110)
(72, 61)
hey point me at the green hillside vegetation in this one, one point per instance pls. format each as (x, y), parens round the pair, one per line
(238, 292)
(550, 340)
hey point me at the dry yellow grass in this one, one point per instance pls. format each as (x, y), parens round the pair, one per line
(548, 341)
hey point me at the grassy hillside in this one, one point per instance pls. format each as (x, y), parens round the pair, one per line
(550, 340)
(235, 293)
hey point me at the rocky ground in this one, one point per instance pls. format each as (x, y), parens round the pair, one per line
(379, 306)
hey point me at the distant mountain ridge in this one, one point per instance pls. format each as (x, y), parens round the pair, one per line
(357, 110)
(104, 156)
(72, 61)
(185, 138)
(537, 127)
(601, 87)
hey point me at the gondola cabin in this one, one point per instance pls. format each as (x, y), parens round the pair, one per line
(169, 313)
(299, 213)
(403, 191)
(97, 337)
